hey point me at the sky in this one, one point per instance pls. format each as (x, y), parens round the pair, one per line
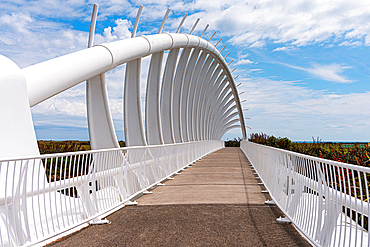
(303, 65)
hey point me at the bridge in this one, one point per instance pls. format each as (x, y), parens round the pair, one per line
(188, 108)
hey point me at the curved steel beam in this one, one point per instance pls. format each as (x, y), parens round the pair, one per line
(166, 96)
(69, 70)
(153, 123)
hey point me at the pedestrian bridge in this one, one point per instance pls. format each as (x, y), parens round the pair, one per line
(190, 104)
(214, 202)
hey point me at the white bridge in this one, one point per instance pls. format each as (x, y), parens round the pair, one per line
(188, 108)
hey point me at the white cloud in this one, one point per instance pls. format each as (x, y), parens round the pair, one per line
(325, 72)
(121, 31)
(299, 23)
(329, 73)
(17, 22)
(244, 61)
(351, 43)
(284, 48)
(300, 112)
(249, 23)
(28, 41)
(255, 70)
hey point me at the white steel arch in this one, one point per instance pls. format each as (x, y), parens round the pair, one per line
(189, 102)
(187, 107)
(93, 62)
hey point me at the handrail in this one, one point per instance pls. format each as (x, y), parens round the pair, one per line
(327, 201)
(40, 156)
(318, 159)
(44, 195)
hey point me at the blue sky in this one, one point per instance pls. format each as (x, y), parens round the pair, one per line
(303, 65)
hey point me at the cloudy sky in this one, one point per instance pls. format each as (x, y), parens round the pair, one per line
(304, 65)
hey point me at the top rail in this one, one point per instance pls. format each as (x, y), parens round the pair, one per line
(305, 156)
(41, 156)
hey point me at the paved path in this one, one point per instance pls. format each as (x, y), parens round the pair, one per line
(215, 202)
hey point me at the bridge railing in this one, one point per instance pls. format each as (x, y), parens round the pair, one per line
(46, 195)
(327, 201)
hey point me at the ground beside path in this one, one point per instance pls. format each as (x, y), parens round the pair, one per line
(216, 202)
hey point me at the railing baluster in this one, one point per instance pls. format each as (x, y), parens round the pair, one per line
(54, 201)
(368, 207)
(331, 192)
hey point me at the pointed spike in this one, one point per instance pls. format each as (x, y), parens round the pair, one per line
(164, 20)
(205, 29)
(133, 35)
(90, 43)
(213, 34)
(195, 25)
(218, 42)
(181, 23)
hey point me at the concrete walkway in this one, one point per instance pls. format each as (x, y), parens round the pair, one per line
(215, 202)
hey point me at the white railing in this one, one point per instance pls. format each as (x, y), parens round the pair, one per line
(327, 201)
(46, 195)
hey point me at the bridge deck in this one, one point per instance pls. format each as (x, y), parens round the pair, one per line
(216, 202)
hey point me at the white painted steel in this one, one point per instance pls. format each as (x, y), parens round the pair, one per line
(194, 26)
(16, 126)
(153, 124)
(92, 25)
(42, 196)
(206, 99)
(164, 21)
(226, 129)
(218, 128)
(203, 95)
(185, 94)
(176, 94)
(200, 95)
(194, 85)
(166, 96)
(224, 115)
(194, 102)
(99, 117)
(133, 123)
(71, 69)
(327, 201)
(71, 189)
(101, 128)
(220, 109)
(219, 85)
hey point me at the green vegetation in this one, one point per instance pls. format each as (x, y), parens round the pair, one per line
(233, 143)
(50, 147)
(64, 167)
(348, 181)
(352, 153)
